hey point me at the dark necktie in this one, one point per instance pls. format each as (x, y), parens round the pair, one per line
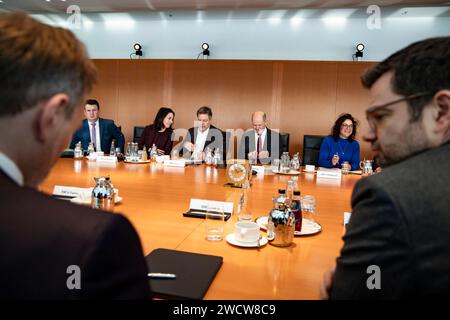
(258, 148)
(93, 136)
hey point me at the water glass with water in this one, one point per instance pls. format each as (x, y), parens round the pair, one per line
(214, 223)
(308, 204)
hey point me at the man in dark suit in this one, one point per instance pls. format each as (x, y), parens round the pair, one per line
(99, 131)
(204, 135)
(397, 243)
(260, 144)
(52, 249)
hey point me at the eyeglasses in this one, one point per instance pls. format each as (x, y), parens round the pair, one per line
(371, 111)
(349, 126)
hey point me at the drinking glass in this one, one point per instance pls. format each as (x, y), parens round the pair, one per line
(308, 204)
(345, 165)
(214, 222)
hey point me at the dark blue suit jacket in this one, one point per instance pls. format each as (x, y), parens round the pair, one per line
(108, 132)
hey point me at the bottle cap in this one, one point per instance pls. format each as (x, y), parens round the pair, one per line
(281, 191)
(296, 193)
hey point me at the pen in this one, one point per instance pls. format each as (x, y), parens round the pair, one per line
(162, 275)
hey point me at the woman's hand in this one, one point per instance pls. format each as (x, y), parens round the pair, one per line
(335, 160)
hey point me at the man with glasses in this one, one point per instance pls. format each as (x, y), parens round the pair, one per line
(260, 145)
(397, 242)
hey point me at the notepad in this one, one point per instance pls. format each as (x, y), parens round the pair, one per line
(194, 273)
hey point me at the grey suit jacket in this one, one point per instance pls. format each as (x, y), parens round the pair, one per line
(272, 144)
(401, 224)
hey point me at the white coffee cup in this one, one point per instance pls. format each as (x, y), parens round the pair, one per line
(310, 168)
(246, 231)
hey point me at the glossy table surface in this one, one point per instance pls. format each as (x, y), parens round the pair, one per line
(154, 198)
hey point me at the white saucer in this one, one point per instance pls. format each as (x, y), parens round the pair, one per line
(232, 240)
(137, 162)
(291, 172)
(88, 200)
(308, 227)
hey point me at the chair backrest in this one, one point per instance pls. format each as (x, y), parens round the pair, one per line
(284, 141)
(137, 133)
(311, 149)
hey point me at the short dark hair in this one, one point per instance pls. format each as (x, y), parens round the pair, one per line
(205, 110)
(93, 102)
(336, 130)
(160, 115)
(422, 67)
(38, 61)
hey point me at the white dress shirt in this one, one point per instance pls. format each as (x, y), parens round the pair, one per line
(200, 140)
(98, 142)
(11, 169)
(263, 138)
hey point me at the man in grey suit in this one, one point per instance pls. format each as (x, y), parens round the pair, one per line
(260, 144)
(397, 243)
(53, 249)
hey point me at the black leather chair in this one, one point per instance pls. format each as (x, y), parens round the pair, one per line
(137, 133)
(311, 149)
(284, 141)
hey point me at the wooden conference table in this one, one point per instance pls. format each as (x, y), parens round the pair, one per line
(154, 198)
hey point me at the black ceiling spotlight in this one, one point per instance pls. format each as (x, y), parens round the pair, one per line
(205, 48)
(359, 52)
(138, 51)
(205, 51)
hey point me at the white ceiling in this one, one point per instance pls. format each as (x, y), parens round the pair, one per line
(60, 6)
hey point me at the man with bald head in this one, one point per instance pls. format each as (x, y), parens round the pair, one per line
(260, 144)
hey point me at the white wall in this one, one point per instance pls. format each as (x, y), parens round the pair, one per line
(266, 36)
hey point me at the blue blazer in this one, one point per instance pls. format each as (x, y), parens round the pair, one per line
(108, 132)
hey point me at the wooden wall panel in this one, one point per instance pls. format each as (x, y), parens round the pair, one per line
(140, 93)
(299, 97)
(106, 89)
(352, 98)
(308, 99)
(232, 89)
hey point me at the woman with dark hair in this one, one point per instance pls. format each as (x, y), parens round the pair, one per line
(341, 145)
(160, 132)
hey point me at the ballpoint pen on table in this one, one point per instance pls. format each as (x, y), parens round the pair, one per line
(155, 275)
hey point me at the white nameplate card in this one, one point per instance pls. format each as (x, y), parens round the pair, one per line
(324, 173)
(68, 192)
(106, 159)
(259, 170)
(160, 159)
(347, 216)
(202, 205)
(175, 163)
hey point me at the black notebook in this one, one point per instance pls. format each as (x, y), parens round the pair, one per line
(194, 273)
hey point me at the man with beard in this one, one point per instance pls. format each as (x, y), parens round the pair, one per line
(397, 243)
